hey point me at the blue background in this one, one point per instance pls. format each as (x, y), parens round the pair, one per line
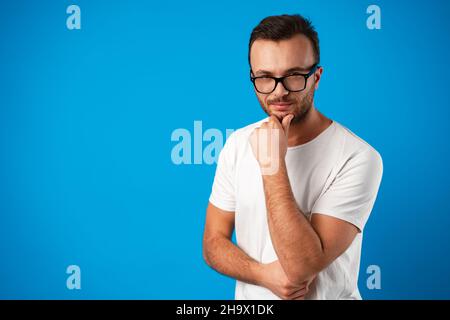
(86, 117)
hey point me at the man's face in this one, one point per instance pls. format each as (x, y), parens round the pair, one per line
(281, 58)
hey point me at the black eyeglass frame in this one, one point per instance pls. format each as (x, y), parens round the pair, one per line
(281, 79)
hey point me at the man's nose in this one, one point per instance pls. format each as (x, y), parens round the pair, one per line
(280, 90)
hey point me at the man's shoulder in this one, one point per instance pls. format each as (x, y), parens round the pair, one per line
(237, 141)
(248, 129)
(242, 134)
(355, 146)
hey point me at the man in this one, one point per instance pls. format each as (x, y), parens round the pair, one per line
(299, 212)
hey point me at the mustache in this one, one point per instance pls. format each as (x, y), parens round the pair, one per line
(280, 101)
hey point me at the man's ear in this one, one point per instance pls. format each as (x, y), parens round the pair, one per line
(318, 76)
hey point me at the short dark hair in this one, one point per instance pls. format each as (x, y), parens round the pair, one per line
(284, 27)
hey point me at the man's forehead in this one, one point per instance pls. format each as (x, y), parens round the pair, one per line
(282, 55)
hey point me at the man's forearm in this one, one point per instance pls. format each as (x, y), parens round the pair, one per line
(295, 241)
(225, 257)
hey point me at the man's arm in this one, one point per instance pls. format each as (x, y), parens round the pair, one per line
(303, 248)
(221, 254)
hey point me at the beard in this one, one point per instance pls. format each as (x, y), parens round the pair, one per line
(299, 108)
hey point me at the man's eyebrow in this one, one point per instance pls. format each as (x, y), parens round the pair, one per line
(262, 73)
(294, 69)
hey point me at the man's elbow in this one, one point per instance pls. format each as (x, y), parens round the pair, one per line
(206, 258)
(207, 247)
(205, 252)
(304, 272)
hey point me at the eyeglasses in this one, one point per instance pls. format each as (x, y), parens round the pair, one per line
(295, 82)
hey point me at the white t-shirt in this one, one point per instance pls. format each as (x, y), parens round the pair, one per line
(336, 174)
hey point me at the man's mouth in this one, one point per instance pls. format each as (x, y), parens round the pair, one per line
(281, 106)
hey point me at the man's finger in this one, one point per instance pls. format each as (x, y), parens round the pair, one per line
(298, 294)
(274, 121)
(286, 122)
(272, 118)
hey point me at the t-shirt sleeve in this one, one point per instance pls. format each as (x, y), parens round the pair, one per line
(351, 195)
(223, 189)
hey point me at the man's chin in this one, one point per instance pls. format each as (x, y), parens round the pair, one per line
(280, 114)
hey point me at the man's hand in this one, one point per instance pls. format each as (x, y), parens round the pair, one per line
(269, 143)
(275, 279)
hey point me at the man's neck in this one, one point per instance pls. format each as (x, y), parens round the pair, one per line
(310, 127)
